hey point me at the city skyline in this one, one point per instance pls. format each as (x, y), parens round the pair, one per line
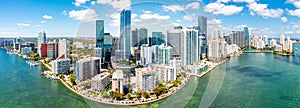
(262, 17)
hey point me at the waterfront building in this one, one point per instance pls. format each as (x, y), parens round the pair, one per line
(44, 50)
(164, 73)
(158, 38)
(198, 68)
(232, 49)
(164, 54)
(87, 68)
(145, 78)
(61, 66)
(190, 47)
(176, 62)
(64, 48)
(265, 39)
(217, 49)
(125, 29)
(228, 39)
(41, 40)
(174, 40)
(118, 81)
(273, 43)
(146, 54)
(290, 45)
(26, 50)
(285, 46)
(277, 48)
(281, 39)
(246, 36)
(100, 81)
(52, 50)
(240, 38)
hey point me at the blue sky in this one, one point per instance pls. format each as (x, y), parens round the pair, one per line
(76, 17)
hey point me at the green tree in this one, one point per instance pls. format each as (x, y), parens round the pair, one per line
(73, 78)
(117, 96)
(129, 96)
(145, 95)
(160, 90)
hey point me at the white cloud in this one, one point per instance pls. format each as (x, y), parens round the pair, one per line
(115, 22)
(194, 5)
(294, 12)
(133, 15)
(296, 3)
(189, 17)
(118, 4)
(175, 8)
(147, 16)
(214, 22)
(262, 10)
(283, 19)
(93, 2)
(23, 24)
(223, 1)
(47, 17)
(247, 1)
(288, 32)
(136, 20)
(43, 22)
(65, 13)
(79, 2)
(37, 25)
(221, 9)
(178, 21)
(88, 15)
(252, 13)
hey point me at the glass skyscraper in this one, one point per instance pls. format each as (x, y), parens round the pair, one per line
(157, 38)
(99, 33)
(125, 29)
(246, 36)
(202, 28)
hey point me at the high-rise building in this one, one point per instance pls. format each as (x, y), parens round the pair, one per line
(64, 48)
(115, 45)
(265, 39)
(246, 36)
(217, 49)
(87, 68)
(158, 38)
(190, 47)
(107, 47)
(143, 36)
(61, 66)
(228, 39)
(146, 54)
(273, 43)
(145, 78)
(240, 38)
(125, 29)
(100, 33)
(164, 73)
(281, 39)
(98, 52)
(174, 40)
(41, 40)
(202, 27)
(100, 81)
(52, 50)
(118, 81)
(164, 54)
(134, 38)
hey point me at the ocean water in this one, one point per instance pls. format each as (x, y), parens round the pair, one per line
(250, 80)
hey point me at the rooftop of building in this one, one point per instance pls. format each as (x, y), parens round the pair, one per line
(101, 76)
(144, 70)
(118, 74)
(89, 59)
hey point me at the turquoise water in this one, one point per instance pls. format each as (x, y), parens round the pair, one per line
(250, 80)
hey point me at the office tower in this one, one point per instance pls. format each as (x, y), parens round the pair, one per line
(26, 50)
(61, 66)
(99, 82)
(215, 34)
(134, 38)
(143, 36)
(41, 40)
(115, 45)
(164, 54)
(174, 40)
(281, 39)
(125, 29)
(246, 36)
(190, 47)
(217, 49)
(240, 38)
(158, 38)
(273, 43)
(87, 68)
(155, 53)
(265, 39)
(118, 81)
(145, 78)
(202, 27)
(98, 52)
(107, 46)
(234, 39)
(64, 48)
(52, 50)
(99, 33)
(146, 54)
(228, 39)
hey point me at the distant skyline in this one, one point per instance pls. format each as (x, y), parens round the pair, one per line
(66, 17)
